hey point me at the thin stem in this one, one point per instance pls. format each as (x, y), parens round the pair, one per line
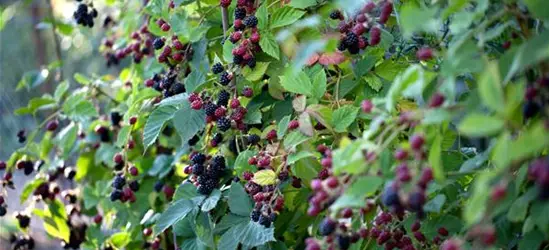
(225, 20)
(56, 41)
(100, 91)
(337, 86)
(273, 3)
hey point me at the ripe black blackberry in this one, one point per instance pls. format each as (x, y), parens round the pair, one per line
(237, 59)
(158, 186)
(351, 39)
(253, 139)
(118, 182)
(327, 227)
(29, 168)
(3, 210)
(255, 215)
(218, 138)
(207, 187)
(218, 161)
(115, 118)
(250, 21)
(223, 124)
(336, 14)
(134, 186)
(223, 98)
(116, 195)
(193, 140)
(251, 63)
(158, 43)
(198, 158)
(341, 46)
(23, 220)
(530, 109)
(210, 108)
(343, 241)
(265, 220)
(239, 13)
(217, 68)
(354, 49)
(177, 89)
(198, 169)
(224, 79)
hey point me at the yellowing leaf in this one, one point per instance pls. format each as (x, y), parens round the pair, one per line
(265, 177)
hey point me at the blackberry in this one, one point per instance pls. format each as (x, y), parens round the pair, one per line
(116, 195)
(82, 9)
(341, 46)
(255, 215)
(158, 186)
(253, 139)
(118, 182)
(218, 138)
(24, 220)
(336, 14)
(223, 98)
(219, 162)
(156, 86)
(250, 21)
(210, 108)
(239, 13)
(3, 211)
(237, 59)
(265, 220)
(158, 43)
(327, 227)
(94, 13)
(198, 169)
(530, 109)
(134, 186)
(177, 88)
(207, 188)
(224, 79)
(354, 49)
(115, 118)
(29, 167)
(217, 68)
(251, 63)
(351, 39)
(198, 158)
(389, 197)
(193, 140)
(343, 241)
(223, 124)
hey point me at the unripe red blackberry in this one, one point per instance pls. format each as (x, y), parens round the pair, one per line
(165, 27)
(178, 57)
(293, 124)
(366, 106)
(225, 3)
(401, 154)
(131, 144)
(247, 176)
(316, 184)
(264, 162)
(97, 219)
(168, 191)
(530, 93)
(133, 171)
(3, 165)
(247, 92)
(235, 36)
(326, 162)
(424, 54)
(417, 141)
(332, 182)
(416, 226)
(133, 120)
(255, 37)
(235, 103)
(271, 135)
(375, 36)
(498, 192)
(313, 210)
(52, 125)
(386, 10)
(436, 100)
(347, 212)
(118, 158)
(147, 231)
(196, 105)
(506, 45)
(442, 231)
(149, 83)
(252, 161)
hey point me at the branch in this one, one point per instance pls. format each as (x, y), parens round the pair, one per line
(56, 41)
(225, 19)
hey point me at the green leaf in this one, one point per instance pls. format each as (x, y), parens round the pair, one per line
(82, 79)
(319, 84)
(490, 89)
(248, 233)
(531, 240)
(262, 17)
(239, 201)
(413, 76)
(188, 121)
(211, 201)
(435, 159)
(285, 16)
(373, 81)
(32, 79)
(35, 104)
(228, 50)
(187, 191)
(268, 44)
(155, 122)
(265, 177)
(343, 117)
(175, 212)
(241, 163)
(529, 143)
(294, 157)
(302, 4)
(194, 80)
(120, 239)
(298, 83)
(365, 186)
(519, 208)
(256, 73)
(435, 205)
(350, 158)
(539, 9)
(476, 125)
(283, 126)
(29, 188)
(476, 204)
(365, 65)
(527, 54)
(306, 169)
(161, 165)
(414, 19)
(60, 90)
(293, 139)
(123, 136)
(66, 138)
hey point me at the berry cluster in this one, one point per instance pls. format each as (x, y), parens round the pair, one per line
(22, 242)
(206, 172)
(268, 200)
(121, 191)
(539, 172)
(141, 45)
(85, 14)
(166, 83)
(326, 187)
(537, 98)
(246, 34)
(173, 53)
(354, 29)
